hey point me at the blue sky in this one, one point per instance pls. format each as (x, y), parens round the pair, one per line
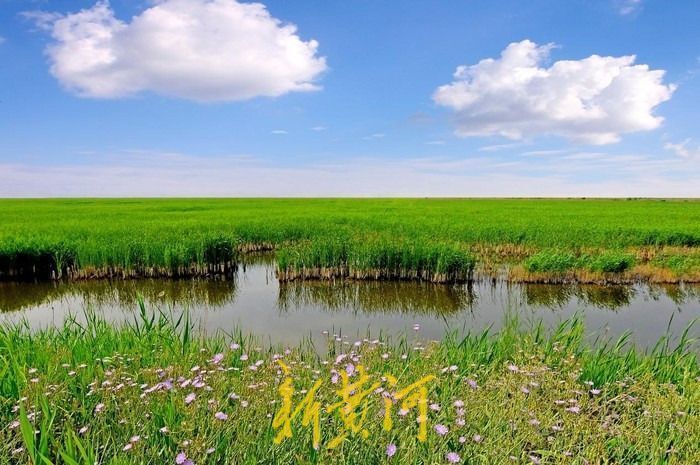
(372, 107)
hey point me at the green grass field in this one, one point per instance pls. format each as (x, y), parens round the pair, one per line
(155, 391)
(433, 239)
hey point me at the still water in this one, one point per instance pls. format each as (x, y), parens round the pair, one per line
(255, 302)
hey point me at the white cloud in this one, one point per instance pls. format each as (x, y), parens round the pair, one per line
(2, 39)
(594, 100)
(627, 7)
(682, 150)
(318, 128)
(279, 132)
(202, 50)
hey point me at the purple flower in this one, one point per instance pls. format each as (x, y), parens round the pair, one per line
(441, 429)
(390, 450)
(221, 416)
(453, 457)
(99, 407)
(217, 358)
(513, 368)
(180, 458)
(574, 409)
(350, 369)
(477, 438)
(189, 398)
(472, 384)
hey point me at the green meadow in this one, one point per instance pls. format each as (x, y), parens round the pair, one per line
(439, 240)
(157, 391)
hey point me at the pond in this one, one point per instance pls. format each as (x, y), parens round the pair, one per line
(286, 313)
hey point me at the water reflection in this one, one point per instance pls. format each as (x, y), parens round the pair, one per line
(554, 295)
(377, 297)
(256, 302)
(25, 296)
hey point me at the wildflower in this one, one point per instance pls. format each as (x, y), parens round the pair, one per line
(244, 403)
(453, 457)
(234, 346)
(458, 403)
(595, 392)
(441, 429)
(164, 429)
(244, 357)
(83, 430)
(477, 438)
(385, 356)
(435, 407)
(513, 368)
(350, 369)
(462, 439)
(127, 447)
(216, 359)
(390, 450)
(99, 407)
(134, 439)
(524, 390)
(460, 422)
(574, 409)
(221, 416)
(180, 458)
(534, 422)
(210, 450)
(189, 398)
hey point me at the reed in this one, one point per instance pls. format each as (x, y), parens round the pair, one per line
(83, 238)
(156, 388)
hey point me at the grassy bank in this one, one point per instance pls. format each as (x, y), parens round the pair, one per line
(155, 390)
(432, 239)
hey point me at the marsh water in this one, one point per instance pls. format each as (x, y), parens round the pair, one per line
(285, 313)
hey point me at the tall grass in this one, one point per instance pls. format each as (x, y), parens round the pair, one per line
(50, 238)
(377, 259)
(89, 392)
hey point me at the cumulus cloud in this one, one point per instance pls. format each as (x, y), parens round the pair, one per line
(594, 100)
(202, 50)
(683, 150)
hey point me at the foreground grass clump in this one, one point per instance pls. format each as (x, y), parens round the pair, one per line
(84, 238)
(156, 391)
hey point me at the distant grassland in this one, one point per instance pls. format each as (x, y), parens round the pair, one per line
(431, 239)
